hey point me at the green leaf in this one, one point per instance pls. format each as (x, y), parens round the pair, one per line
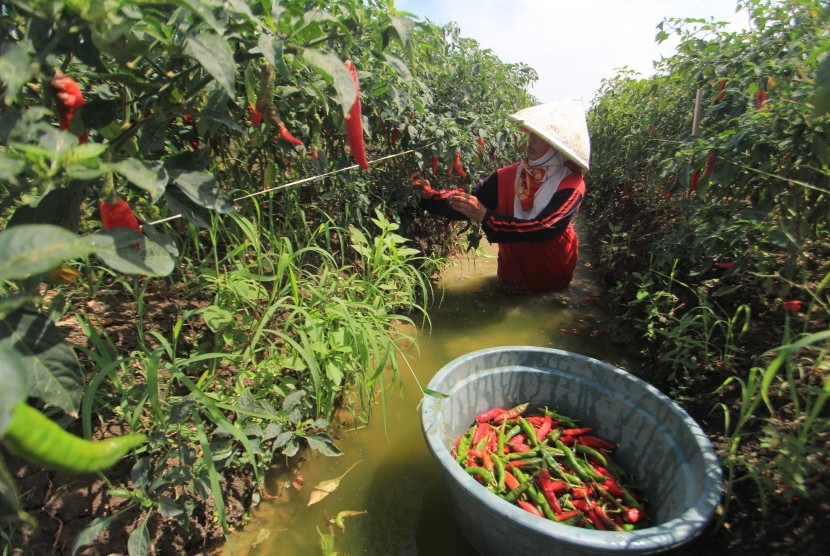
(434, 393)
(60, 206)
(821, 98)
(216, 56)
(271, 48)
(16, 383)
(130, 252)
(55, 374)
(399, 66)
(90, 533)
(324, 445)
(10, 167)
(332, 66)
(82, 152)
(180, 204)
(205, 11)
(31, 249)
(15, 67)
(217, 318)
(203, 189)
(139, 542)
(148, 175)
(402, 28)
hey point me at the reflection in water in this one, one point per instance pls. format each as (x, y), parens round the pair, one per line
(396, 480)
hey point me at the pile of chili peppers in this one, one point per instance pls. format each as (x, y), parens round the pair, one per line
(549, 466)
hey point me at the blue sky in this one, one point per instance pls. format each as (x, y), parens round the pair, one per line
(572, 45)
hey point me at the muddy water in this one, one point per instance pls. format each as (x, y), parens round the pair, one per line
(394, 478)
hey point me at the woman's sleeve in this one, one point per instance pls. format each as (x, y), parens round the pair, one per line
(552, 221)
(439, 204)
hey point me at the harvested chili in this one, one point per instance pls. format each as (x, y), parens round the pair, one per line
(549, 466)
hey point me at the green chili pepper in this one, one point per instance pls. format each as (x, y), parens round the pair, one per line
(498, 466)
(591, 453)
(583, 470)
(464, 446)
(529, 431)
(36, 438)
(561, 419)
(511, 432)
(514, 494)
(488, 477)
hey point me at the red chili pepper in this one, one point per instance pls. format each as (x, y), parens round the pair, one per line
(118, 215)
(510, 481)
(434, 164)
(489, 414)
(724, 264)
(68, 97)
(633, 515)
(255, 115)
(528, 507)
(761, 99)
(457, 165)
(721, 87)
(544, 428)
(576, 432)
(596, 442)
(512, 413)
(396, 134)
(710, 163)
(286, 136)
(792, 306)
(564, 516)
(481, 142)
(567, 440)
(480, 433)
(580, 492)
(354, 123)
(694, 178)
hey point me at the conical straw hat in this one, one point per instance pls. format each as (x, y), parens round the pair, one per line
(562, 124)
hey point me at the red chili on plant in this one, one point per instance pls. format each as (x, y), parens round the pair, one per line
(354, 123)
(68, 97)
(792, 305)
(118, 214)
(457, 165)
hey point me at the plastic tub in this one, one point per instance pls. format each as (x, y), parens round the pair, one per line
(659, 443)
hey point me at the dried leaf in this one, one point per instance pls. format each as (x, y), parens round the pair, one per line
(324, 488)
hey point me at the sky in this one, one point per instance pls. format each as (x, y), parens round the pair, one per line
(572, 45)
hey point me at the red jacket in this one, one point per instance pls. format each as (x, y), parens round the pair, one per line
(535, 255)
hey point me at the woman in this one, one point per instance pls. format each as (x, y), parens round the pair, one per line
(528, 207)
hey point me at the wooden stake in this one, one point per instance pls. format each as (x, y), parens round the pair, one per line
(696, 120)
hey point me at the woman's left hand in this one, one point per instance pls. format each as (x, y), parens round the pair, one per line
(468, 205)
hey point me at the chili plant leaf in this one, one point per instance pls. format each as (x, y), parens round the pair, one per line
(15, 67)
(324, 488)
(16, 383)
(91, 531)
(329, 64)
(203, 189)
(216, 56)
(130, 252)
(31, 249)
(139, 542)
(323, 444)
(151, 176)
(57, 377)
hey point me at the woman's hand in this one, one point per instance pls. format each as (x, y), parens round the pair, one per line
(468, 205)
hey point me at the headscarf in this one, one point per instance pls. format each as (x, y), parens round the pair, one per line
(536, 182)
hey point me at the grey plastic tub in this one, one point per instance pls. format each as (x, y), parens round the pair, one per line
(659, 443)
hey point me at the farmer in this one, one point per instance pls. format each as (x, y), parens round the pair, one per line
(528, 207)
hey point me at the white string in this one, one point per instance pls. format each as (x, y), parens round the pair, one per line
(283, 186)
